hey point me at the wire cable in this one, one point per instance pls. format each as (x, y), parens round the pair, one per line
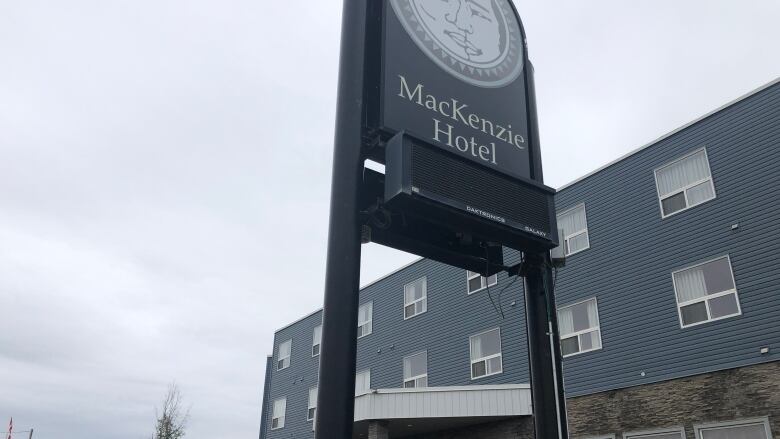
(487, 284)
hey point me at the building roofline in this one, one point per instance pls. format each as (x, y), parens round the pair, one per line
(671, 133)
(377, 280)
(298, 321)
(381, 278)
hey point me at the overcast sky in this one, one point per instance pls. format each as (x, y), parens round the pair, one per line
(165, 173)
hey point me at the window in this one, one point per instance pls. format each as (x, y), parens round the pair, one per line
(416, 370)
(415, 298)
(706, 292)
(476, 282)
(749, 429)
(362, 382)
(365, 318)
(312, 404)
(485, 351)
(578, 325)
(574, 223)
(684, 183)
(283, 357)
(670, 433)
(277, 420)
(316, 340)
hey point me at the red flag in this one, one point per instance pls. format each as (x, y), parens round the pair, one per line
(10, 428)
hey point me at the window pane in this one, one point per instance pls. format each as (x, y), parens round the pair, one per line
(415, 365)
(565, 321)
(284, 348)
(317, 336)
(313, 397)
(362, 382)
(475, 284)
(422, 382)
(573, 221)
(365, 312)
(478, 369)
(578, 243)
(586, 342)
(694, 313)
(700, 193)
(674, 203)
(414, 290)
(756, 431)
(409, 384)
(682, 173)
(724, 306)
(494, 365)
(409, 311)
(580, 316)
(717, 276)
(489, 343)
(570, 345)
(690, 284)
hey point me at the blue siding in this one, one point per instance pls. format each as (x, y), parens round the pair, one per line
(628, 267)
(634, 251)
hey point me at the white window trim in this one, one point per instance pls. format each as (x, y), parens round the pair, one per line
(416, 377)
(585, 331)
(586, 231)
(370, 320)
(283, 417)
(706, 299)
(308, 409)
(423, 299)
(684, 189)
(485, 284)
(319, 351)
(633, 434)
(280, 358)
(489, 357)
(716, 425)
(599, 436)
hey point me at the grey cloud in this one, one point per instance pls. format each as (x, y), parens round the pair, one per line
(165, 173)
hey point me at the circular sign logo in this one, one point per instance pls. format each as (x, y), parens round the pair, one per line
(477, 41)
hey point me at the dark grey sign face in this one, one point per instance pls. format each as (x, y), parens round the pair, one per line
(453, 75)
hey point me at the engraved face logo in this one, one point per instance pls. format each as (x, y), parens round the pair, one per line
(477, 41)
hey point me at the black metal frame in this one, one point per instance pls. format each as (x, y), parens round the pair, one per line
(358, 102)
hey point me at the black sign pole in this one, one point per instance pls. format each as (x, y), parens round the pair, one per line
(544, 347)
(547, 392)
(336, 395)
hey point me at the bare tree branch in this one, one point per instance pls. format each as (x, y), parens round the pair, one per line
(172, 422)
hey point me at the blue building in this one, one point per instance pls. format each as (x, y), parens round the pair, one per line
(669, 309)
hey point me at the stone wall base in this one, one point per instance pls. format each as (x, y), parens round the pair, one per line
(730, 395)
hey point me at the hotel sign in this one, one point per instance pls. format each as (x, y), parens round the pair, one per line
(452, 73)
